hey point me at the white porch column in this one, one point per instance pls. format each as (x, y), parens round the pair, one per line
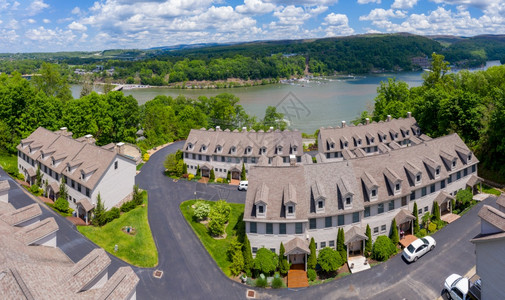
(305, 262)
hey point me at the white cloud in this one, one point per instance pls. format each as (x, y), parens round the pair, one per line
(54, 36)
(369, 1)
(403, 4)
(76, 11)
(31, 21)
(46, 21)
(338, 24)
(382, 14)
(77, 26)
(36, 7)
(297, 15)
(255, 7)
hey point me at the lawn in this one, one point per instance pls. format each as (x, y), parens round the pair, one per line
(138, 249)
(216, 247)
(489, 190)
(9, 162)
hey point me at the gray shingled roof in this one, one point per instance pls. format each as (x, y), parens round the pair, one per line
(355, 233)
(120, 285)
(473, 180)
(296, 244)
(84, 202)
(493, 216)
(4, 185)
(36, 231)
(22, 214)
(501, 200)
(87, 269)
(403, 216)
(443, 197)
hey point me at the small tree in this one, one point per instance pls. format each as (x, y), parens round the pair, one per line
(228, 176)
(216, 223)
(63, 189)
(242, 173)
(38, 176)
(416, 220)
(329, 260)
(170, 163)
(198, 171)
(201, 211)
(394, 233)
(223, 208)
(236, 257)
(463, 199)
(312, 259)
(184, 169)
(248, 258)
(368, 244)
(283, 261)
(436, 211)
(212, 176)
(426, 219)
(46, 185)
(137, 195)
(383, 248)
(265, 261)
(98, 217)
(61, 204)
(341, 244)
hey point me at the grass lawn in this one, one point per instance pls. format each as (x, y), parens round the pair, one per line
(216, 247)
(139, 249)
(139, 166)
(9, 162)
(489, 190)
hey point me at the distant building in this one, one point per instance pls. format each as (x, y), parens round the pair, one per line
(490, 252)
(226, 150)
(88, 169)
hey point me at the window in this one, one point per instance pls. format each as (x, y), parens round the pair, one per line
(423, 192)
(282, 228)
(272, 249)
(270, 228)
(348, 200)
(372, 140)
(115, 164)
(465, 172)
(469, 157)
(254, 250)
(420, 211)
(432, 188)
(252, 227)
(332, 244)
(345, 144)
(355, 217)
(291, 209)
(204, 148)
(380, 208)
(323, 245)
(375, 230)
(413, 196)
(418, 178)
(449, 179)
(437, 171)
(392, 205)
(72, 183)
(474, 168)
(404, 200)
(87, 192)
(312, 224)
(232, 150)
(397, 187)
(253, 160)
(79, 187)
(298, 228)
(340, 220)
(425, 208)
(245, 160)
(328, 222)
(383, 228)
(458, 175)
(320, 204)
(367, 211)
(442, 184)
(374, 193)
(454, 164)
(261, 209)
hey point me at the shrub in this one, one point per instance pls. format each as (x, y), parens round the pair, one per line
(341, 244)
(242, 173)
(99, 213)
(248, 259)
(212, 176)
(219, 180)
(190, 177)
(202, 210)
(383, 248)
(127, 206)
(222, 208)
(216, 225)
(329, 260)
(34, 189)
(312, 260)
(432, 227)
(422, 233)
(184, 169)
(265, 261)
(416, 220)
(236, 257)
(283, 261)
(440, 224)
(112, 214)
(61, 205)
(395, 238)
(369, 243)
(20, 176)
(463, 199)
(146, 157)
(277, 283)
(311, 274)
(137, 197)
(261, 282)
(436, 211)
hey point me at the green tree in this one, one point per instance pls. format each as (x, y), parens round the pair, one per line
(202, 210)
(216, 223)
(439, 68)
(99, 212)
(248, 258)
(236, 257)
(383, 248)
(395, 238)
(222, 208)
(61, 204)
(198, 171)
(52, 82)
(436, 211)
(38, 176)
(63, 193)
(312, 259)
(416, 220)
(273, 119)
(463, 198)
(242, 173)
(341, 244)
(329, 260)
(369, 243)
(212, 176)
(265, 261)
(283, 261)
(228, 176)
(172, 165)
(184, 169)
(426, 219)
(392, 99)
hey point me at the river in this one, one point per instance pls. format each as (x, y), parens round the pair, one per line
(308, 105)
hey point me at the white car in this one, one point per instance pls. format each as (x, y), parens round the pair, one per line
(243, 185)
(418, 248)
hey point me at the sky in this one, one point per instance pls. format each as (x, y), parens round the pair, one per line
(87, 25)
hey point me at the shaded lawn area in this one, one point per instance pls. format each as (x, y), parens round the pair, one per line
(216, 247)
(9, 162)
(138, 249)
(489, 190)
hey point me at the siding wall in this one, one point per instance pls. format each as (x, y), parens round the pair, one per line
(491, 268)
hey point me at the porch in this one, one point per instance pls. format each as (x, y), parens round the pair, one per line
(405, 223)
(235, 172)
(297, 277)
(297, 251)
(30, 175)
(475, 183)
(53, 191)
(206, 170)
(444, 202)
(355, 241)
(84, 208)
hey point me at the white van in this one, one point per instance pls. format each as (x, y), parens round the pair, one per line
(243, 185)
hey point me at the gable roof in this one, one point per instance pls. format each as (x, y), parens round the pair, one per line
(296, 244)
(87, 269)
(403, 216)
(4, 185)
(443, 197)
(493, 217)
(501, 200)
(355, 233)
(36, 231)
(120, 285)
(22, 214)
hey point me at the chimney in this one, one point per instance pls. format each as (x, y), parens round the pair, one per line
(218, 128)
(409, 114)
(244, 129)
(388, 118)
(367, 121)
(292, 160)
(343, 124)
(89, 138)
(64, 129)
(271, 129)
(120, 148)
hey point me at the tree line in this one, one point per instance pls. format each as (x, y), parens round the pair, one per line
(471, 104)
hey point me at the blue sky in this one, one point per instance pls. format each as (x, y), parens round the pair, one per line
(71, 25)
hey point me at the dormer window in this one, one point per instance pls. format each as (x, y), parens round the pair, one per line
(248, 150)
(384, 137)
(418, 178)
(470, 157)
(294, 148)
(233, 149)
(261, 210)
(372, 140)
(454, 164)
(263, 150)
(397, 187)
(204, 148)
(290, 210)
(219, 148)
(279, 150)
(332, 145)
(437, 172)
(52, 161)
(396, 135)
(348, 200)
(43, 156)
(190, 146)
(407, 132)
(373, 193)
(345, 144)
(359, 142)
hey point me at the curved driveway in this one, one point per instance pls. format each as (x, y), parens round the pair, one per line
(190, 272)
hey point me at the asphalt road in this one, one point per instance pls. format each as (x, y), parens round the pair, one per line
(190, 272)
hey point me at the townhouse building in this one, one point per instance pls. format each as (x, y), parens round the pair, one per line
(87, 169)
(225, 151)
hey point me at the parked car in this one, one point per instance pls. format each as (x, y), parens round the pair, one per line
(243, 185)
(418, 248)
(461, 288)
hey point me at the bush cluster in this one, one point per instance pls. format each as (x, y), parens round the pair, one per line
(137, 200)
(61, 205)
(219, 215)
(383, 248)
(311, 274)
(201, 211)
